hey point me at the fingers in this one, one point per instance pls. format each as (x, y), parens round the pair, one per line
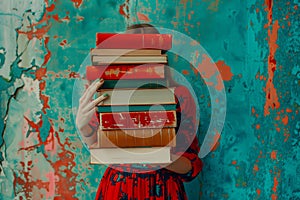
(90, 91)
(90, 85)
(90, 112)
(98, 101)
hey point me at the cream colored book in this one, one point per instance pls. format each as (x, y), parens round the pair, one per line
(145, 155)
(102, 60)
(119, 97)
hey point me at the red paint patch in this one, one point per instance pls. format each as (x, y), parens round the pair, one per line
(44, 98)
(185, 72)
(273, 155)
(258, 192)
(253, 110)
(79, 18)
(74, 75)
(55, 17)
(271, 93)
(66, 19)
(50, 8)
(275, 185)
(34, 126)
(255, 168)
(48, 55)
(45, 18)
(207, 68)
(63, 43)
(40, 73)
(216, 142)
(124, 9)
(257, 126)
(77, 3)
(143, 17)
(234, 162)
(274, 197)
(224, 70)
(121, 10)
(286, 136)
(278, 129)
(285, 120)
(36, 33)
(220, 70)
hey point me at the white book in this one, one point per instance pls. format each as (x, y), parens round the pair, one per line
(138, 96)
(101, 60)
(143, 155)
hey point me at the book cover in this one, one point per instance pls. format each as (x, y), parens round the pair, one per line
(103, 60)
(136, 108)
(137, 138)
(116, 72)
(133, 41)
(129, 84)
(130, 155)
(137, 120)
(119, 97)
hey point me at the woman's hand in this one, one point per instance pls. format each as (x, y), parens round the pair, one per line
(86, 108)
(180, 164)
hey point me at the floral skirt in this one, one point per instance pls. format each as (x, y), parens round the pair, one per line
(154, 185)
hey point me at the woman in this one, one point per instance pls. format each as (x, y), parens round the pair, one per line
(135, 182)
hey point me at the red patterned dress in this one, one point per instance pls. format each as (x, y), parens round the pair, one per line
(129, 182)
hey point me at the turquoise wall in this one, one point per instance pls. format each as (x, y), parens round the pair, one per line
(254, 44)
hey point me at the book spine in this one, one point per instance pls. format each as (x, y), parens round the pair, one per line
(133, 41)
(105, 60)
(136, 108)
(116, 72)
(130, 155)
(146, 84)
(137, 138)
(137, 120)
(138, 96)
(128, 52)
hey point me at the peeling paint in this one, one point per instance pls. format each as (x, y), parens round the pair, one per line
(271, 93)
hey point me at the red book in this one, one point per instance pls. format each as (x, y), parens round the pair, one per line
(133, 41)
(116, 72)
(137, 120)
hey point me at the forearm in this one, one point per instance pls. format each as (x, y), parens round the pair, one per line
(180, 165)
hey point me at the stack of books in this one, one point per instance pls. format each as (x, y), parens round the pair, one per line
(138, 119)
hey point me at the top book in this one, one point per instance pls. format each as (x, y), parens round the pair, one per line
(133, 41)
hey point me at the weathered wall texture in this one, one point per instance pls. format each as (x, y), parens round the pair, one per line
(255, 45)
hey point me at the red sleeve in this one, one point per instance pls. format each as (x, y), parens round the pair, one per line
(186, 139)
(94, 122)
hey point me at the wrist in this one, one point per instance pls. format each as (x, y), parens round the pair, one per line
(87, 130)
